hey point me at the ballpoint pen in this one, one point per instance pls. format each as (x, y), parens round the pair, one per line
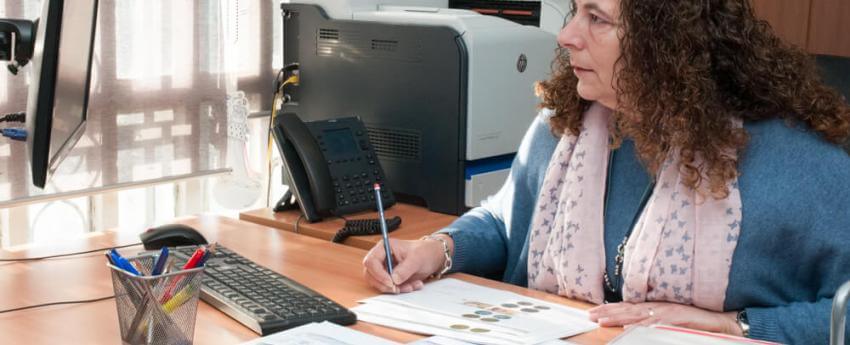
(122, 263)
(384, 228)
(183, 296)
(160, 262)
(108, 255)
(180, 297)
(210, 251)
(195, 259)
(193, 262)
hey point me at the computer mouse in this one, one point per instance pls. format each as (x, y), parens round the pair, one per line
(171, 235)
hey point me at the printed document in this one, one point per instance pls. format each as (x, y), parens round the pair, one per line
(324, 333)
(473, 313)
(439, 340)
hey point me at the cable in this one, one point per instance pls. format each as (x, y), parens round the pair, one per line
(277, 98)
(19, 134)
(300, 216)
(14, 117)
(343, 232)
(57, 303)
(69, 254)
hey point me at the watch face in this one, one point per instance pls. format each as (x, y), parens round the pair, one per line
(743, 323)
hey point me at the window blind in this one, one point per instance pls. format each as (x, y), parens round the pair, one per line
(162, 71)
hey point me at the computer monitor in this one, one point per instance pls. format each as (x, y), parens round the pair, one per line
(59, 87)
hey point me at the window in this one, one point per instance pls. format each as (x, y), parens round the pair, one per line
(161, 76)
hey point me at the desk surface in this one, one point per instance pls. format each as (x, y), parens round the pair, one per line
(415, 222)
(331, 269)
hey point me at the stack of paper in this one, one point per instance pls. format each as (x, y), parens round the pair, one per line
(324, 333)
(440, 340)
(670, 335)
(474, 313)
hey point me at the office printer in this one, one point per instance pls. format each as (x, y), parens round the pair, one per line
(446, 94)
(549, 15)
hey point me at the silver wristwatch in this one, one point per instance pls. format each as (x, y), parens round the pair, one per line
(743, 322)
(447, 264)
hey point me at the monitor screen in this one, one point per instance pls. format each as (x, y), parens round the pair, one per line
(59, 87)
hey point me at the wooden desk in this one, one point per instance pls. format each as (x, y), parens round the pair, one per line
(331, 269)
(415, 222)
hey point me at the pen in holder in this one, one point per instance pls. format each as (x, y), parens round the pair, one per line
(158, 309)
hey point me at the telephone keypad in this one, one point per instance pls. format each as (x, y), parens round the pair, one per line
(358, 188)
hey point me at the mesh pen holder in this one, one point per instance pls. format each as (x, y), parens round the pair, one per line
(156, 309)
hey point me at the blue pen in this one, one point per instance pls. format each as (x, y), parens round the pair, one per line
(384, 228)
(113, 254)
(210, 250)
(123, 263)
(108, 255)
(160, 262)
(128, 266)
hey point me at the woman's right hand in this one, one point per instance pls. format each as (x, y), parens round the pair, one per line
(413, 262)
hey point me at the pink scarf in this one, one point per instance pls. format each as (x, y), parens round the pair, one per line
(680, 250)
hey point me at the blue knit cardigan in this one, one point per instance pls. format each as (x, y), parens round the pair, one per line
(794, 247)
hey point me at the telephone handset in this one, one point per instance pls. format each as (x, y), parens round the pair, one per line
(331, 166)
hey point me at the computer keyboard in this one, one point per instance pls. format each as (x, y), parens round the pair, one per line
(259, 298)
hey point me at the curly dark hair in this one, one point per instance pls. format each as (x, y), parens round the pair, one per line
(687, 68)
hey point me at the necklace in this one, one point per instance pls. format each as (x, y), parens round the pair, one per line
(612, 293)
(618, 265)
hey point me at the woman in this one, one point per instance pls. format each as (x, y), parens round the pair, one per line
(685, 171)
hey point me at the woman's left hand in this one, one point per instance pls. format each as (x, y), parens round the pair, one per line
(647, 313)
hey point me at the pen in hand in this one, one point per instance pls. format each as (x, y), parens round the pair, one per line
(384, 235)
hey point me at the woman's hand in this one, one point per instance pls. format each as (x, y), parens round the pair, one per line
(413, 262)
(644, 314)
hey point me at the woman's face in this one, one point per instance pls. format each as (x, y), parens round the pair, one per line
(593, 40)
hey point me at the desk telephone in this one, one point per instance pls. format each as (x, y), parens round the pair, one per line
(331, 166)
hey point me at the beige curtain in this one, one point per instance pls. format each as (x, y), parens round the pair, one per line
(162, 73)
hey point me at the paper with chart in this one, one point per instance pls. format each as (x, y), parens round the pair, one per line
(324, 333)
(440, 340)
(470, 312)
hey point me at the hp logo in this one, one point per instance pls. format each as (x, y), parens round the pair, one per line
(521, 63)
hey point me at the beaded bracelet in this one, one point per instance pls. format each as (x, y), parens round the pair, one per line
(447, 265)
